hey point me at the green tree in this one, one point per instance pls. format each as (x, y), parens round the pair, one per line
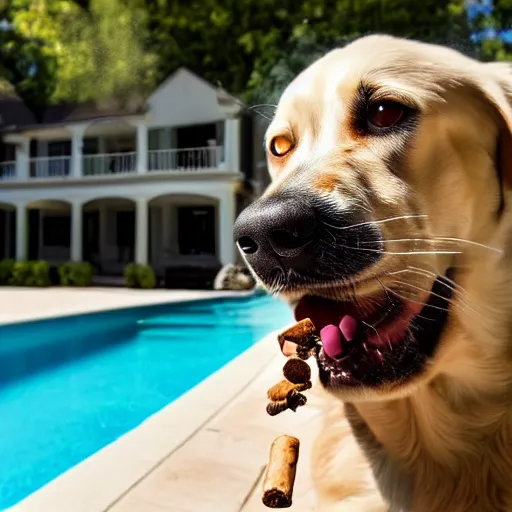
(321, 26)
(85, 49)
(501, 18)
(76, 52)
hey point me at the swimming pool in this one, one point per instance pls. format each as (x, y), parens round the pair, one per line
(70, 386)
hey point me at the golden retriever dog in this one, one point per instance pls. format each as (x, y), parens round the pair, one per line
(388, 222)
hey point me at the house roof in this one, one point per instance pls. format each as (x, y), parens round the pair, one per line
(182, 70)
(13, 110)
(17, 117)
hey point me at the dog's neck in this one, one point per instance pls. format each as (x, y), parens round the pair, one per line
(422, 447)
(456, 427)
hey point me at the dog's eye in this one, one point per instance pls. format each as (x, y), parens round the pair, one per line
(385, 114)
(280, 145)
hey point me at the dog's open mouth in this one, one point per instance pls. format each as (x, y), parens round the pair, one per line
(382, 340)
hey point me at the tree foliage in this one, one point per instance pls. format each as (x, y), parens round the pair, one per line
(59, 50)
(497, 26)
(77, 50)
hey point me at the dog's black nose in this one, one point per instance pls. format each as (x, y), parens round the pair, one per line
(295, 239)
(275, 226)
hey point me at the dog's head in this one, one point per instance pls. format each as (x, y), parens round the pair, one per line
(389, 176)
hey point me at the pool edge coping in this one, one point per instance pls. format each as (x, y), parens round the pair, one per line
(98, 482)
(208, 296)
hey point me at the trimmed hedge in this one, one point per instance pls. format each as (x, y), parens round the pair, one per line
(6, 267)
(30, 273)
(139, 276)
(75, 273)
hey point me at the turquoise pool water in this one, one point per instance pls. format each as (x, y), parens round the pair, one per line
(70, 386)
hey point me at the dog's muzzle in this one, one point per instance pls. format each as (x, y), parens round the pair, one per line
(299, 239)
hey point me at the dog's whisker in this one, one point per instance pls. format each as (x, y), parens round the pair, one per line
(362, 249)
(413, 299)
(373, 328)
(376, 222)
(461, 296)
(448, 240)
(270, 105)
(450, 301)
(463, 293)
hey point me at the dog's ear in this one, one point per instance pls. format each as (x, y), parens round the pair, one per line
(497, 88)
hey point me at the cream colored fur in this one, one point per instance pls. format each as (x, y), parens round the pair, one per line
(444, 441)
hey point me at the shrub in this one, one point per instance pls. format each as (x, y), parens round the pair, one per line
(30, 273)
(139, 276)
(130, 275)
(21, 274)
(76, 273)
(6, 267)
(146, 277)
(40, 271)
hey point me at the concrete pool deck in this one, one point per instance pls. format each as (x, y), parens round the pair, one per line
(205, 451)
(23, 304)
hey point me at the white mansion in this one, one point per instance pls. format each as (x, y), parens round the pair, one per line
(158, 180)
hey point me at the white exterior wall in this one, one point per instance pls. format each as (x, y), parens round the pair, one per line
(183, 99)
(219, 192)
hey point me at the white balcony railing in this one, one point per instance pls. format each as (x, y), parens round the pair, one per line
(191, 159)
(50, 167)
(7, 170)
(109, 163)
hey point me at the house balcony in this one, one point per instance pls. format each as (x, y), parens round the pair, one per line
(198, 160)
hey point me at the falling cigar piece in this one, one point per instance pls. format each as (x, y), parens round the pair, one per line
(284, 452)
(303, 334)
(286, 395)
(297, 371)
(293, 400)
(282, 389)
(280, 474)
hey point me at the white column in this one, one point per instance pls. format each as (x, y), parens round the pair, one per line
(232, 144)
(76, 150)
(142, 147)
(22, 158)
(141, 231)
(226, 221)
(76, 231)
(21, 232)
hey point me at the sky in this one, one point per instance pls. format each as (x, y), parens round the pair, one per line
(476, 7)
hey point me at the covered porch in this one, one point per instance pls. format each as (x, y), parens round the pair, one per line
(7, 231)
(118, 147)
(170, 230)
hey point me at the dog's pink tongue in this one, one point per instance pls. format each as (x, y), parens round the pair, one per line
(331, 341)
(348, 326)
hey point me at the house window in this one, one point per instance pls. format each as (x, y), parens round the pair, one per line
(196, 230)
(59, 148)
(160, 138)
(195, 136)
(125, 228)
(90, 146)
(57, 231)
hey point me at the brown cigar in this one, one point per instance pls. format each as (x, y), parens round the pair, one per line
(297, 371)
(280, 474)
(282, 389)
(304, 335)
(293, 400)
